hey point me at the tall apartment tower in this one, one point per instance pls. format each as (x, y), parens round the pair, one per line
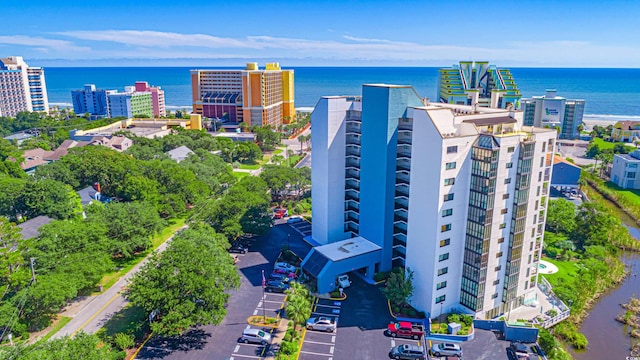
(253, 96)
(157, 97)
(130, 103)
(91, 100)
(478, 84)
(455, 193)
(22, 88)
(554, 111)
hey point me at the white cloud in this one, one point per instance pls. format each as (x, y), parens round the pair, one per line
(42, 43)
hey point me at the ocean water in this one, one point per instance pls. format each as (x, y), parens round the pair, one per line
(609, 93)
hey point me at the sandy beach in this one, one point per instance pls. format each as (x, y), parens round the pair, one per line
(605, 120)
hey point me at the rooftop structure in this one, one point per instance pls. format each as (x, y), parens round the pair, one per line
(180, 153)
(478, 84)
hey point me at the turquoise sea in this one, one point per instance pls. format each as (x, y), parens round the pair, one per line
(609, 93)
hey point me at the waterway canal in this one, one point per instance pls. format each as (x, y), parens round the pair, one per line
(609, 339)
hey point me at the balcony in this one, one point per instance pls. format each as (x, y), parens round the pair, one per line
(402, 190)
(399, 239)
(353, 140)
(352, 174)
(354, 127)
(405, 126)
(351, 206)
(351, 216)
(352, 163)
(352, 185)
(402, 178)
(353, 227)
(403, 165)
(351, 195)
(400, 229)
(402, 203)
(404, 154)
(399, 251)
(353, 150)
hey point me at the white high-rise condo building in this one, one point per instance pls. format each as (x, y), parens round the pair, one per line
(22, 88)
(553, 111)
(456, 193)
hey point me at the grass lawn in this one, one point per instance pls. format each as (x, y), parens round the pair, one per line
(109, 279)
(632, 195)
(250, 166)
(130, 320)
(293, 160)
(566, 271)
(604, 145)
(240, 175)
(59, 324)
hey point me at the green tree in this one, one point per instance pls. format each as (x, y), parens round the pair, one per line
(188, 284)
(594, 226)
(267, 138)
(561, 216)
(10, 191)
(49, 197)
(82, 346)
(298, 308)
(399, 286)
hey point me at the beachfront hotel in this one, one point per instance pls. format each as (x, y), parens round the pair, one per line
(478, 84)
(554, 111)
(130, 103)
(22, 88)
(92, 101)
(157, 97)
(456, 193)
(254, 96)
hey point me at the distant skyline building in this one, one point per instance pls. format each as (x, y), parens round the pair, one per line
(157, 97)
(456, 193)
(22, 88)
(554, 111)
(254, 96)
(91, 100)
(130, 103)
(478, 83)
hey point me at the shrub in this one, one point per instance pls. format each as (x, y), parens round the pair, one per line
(546, 340)
(380, 276)
(124, 341)
(422, 314)
(335, 294)
(411, 313)
(453, 318)
(288, 348)
(580, 341)
(396, 309)
(466, 319)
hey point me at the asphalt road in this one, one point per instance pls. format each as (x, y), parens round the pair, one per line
(220, 341)
(102, 307)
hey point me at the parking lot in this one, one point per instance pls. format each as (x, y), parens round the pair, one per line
(302, 227)
(320, 345)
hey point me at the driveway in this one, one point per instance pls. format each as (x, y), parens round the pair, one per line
(221, 341)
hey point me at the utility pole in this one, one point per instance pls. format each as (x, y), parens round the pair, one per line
(32, 262)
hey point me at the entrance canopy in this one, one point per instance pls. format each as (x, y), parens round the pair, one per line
(327, 262)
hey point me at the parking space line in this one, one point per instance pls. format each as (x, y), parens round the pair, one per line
(273, 301)
(247, 356)
(252, 345)
(315, 353)
(325, 314)
(318, 342)
(331, 350)
(236, 349)
(333, 338)
(329, 306)
(324, 333)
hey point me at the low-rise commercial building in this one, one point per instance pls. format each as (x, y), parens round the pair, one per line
(624, 170)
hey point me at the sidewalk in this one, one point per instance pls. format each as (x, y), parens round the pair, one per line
(276, 339)
(92, 312)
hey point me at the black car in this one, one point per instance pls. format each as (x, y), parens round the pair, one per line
(238, 248)
(283, 278)
(407, 352)
(276, 287)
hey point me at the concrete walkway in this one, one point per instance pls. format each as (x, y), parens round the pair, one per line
(91, 313)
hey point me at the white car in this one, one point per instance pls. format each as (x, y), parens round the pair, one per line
(446, 349)
(321, 323)
(284, 266)
(255, 336)
(294, 219)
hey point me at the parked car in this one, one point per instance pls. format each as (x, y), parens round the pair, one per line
(279, 213)
(407, 352)
(405, 329)
(255, 336)
(446, 349)
(294, 219)
(285, 272)
(280, 277)
(238, 248)
(519, 351)
(284, 266)
(276, 286)
(322, 323)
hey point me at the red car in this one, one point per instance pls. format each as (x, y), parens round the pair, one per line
(280, 213)
(285, 272)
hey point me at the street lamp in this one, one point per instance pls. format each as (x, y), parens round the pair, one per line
(288, 240)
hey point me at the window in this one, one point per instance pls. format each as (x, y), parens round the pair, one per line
(445, 242)
(507, 181)
(441, 285)
(503, 225)
(446, 227)
(526, 284)
(633, 166)
(500, 240)
(443, 257)
(631, 175)
(499, 254)
(511, 149)
(504, 211)
(540, 176)
(509, 165)
(544, 146)
(440, 299)
(448, 197)
(449, 181)
(505, 196)
(498, 268)
(443, 271)
(450, 165)
(452, 149)
(494, 296)
(496, 282)
(447, 212)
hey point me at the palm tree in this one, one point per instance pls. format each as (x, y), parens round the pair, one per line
(302, 139)
(277, 159)
(298, 308)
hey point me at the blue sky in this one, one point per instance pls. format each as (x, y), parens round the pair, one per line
(542, 33)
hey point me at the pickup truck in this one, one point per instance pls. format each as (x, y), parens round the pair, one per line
(405, 329)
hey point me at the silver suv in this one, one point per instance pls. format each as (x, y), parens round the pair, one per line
(446, 349)
(255, 336)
